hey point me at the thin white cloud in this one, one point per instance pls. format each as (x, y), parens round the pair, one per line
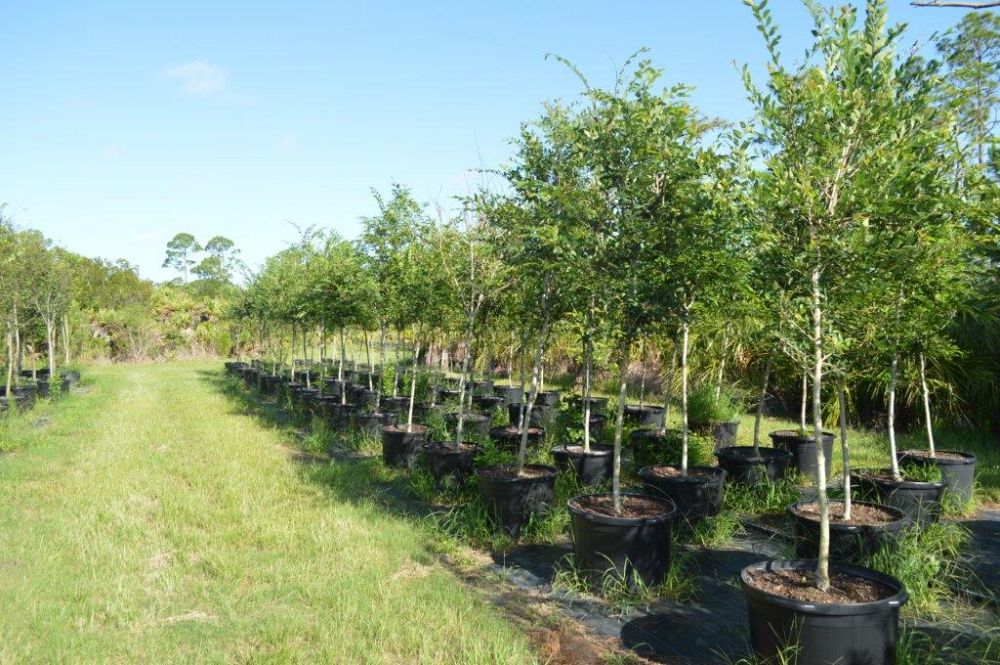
(288, 143)
(198, 77)
(111, 152)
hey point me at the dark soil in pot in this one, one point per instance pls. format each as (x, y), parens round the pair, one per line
(591, 467)
(372, 422)
(449, 465)
(857, 624)
(487, 404)
(473, 424)
(919, 501)
(511, 499)
(400, 447)
(697, 495)
(510, 394)
(871, 527)
(644, 416)
(634, 545)
(509, 438)
(803, 450)
(958, 469)
(744, 465)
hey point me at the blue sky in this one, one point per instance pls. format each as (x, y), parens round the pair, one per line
(123, 123)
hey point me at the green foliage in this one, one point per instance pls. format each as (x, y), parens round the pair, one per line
(705, 408)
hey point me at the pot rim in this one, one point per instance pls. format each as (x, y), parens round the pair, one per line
(894, 601)
(443, 449)
(794, 434)
(767, 454)
(551, 472)
(602, 450)
(967, 458)
(903, 484)
(667, 503)
(718, 475)
(899, 521)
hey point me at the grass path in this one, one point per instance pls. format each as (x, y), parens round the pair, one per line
(148, 522)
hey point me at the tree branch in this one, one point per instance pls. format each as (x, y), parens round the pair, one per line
(966, 5)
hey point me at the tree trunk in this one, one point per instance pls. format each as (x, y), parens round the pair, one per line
(823, 565)
(536, 377)
(51, 336)
(844, 449)
(760, 407)
(413, 385)
(340, 370)
(668, 390)
(9, 382)
(616, 482)
(381, 370)
(66, 357)
(642, 374)
(685, 331)
(722, 364)
(893, 372)
(588, 358)
(368, 359)
(805, 400)
(927, 404)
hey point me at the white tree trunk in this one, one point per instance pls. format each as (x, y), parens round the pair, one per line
(616, 483)
(760, 407)
(893, 372)
(823, 566)
(844, 448)
(685, 330)
(927, 404)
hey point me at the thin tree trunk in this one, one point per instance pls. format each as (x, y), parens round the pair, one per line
(760, 407)
(50, 330)
(722, 364)
(668, 390)
(685, 331)
(844, 448)
(805, 400)
(536, 375)
(10, 366)
(927, 404)
(413, 385)
(642, 374)
(66, 357)
(381, 369)
(340, 371)
(368, 359)
(616, 479)
(588, 359)
(893, 373)
(823, 565)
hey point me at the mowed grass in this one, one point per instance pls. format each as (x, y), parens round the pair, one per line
(148, 522)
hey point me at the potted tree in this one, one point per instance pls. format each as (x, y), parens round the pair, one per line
(845, 133)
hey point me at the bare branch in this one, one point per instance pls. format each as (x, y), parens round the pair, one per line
(949, 3)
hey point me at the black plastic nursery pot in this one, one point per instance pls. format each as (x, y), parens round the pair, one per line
(724, 434)
(339, 415)
(919, 501)
(71, 375)
(397, 405)
(849, 542)
(334, 387)
(446, 395)
(473, 424)
(424, 410)
(541, 416)
(803, 450)
(510, 394)
(644, 416)
(364, 397)
(512, 499)
(487, 403)
(635, 546)
(401, 448)
(744, 465)
(598, 424)
(448, 464)
(509, 438)
(697, 495)
(548, 398)
(839, 633)
(958, 469)
(598, 405)
(372, 422)
(591, 467)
